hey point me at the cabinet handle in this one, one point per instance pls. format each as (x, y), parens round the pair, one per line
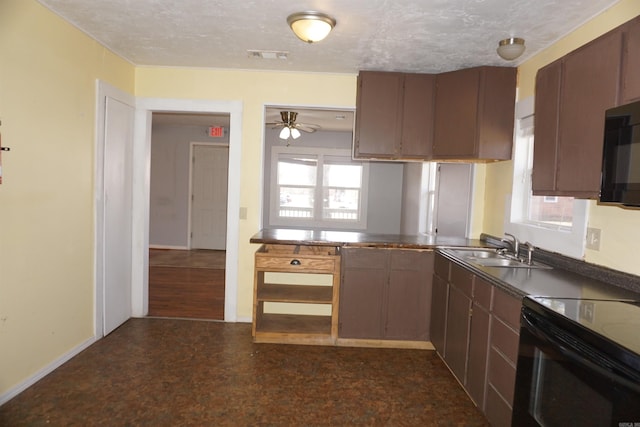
(295, 262)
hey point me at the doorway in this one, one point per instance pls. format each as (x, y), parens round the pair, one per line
(188, 215)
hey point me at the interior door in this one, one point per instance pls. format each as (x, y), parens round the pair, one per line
(209, 197)
(118, 152)
(453, 199)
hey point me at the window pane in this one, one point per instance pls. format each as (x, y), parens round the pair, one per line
(557, 211)
(297, 171)
(341, 204)
(341, 175)
(296, 202)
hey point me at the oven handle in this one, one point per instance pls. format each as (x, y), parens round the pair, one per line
(633, 383)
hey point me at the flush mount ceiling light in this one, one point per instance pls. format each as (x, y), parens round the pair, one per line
(511, 48)
(311, 26)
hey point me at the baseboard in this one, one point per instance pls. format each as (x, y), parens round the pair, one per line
(180, 248)
(14, 391)
(244, 320)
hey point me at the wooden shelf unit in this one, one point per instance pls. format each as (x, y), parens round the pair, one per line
(296, 328)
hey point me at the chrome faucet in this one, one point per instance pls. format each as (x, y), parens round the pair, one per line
(515, 244)
(530, 249)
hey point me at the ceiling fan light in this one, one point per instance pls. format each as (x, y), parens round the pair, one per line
(295, 133)
(511, 48)
(285, 133)
(311, 27)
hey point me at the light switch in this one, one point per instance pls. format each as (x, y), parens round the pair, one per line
(593, 238)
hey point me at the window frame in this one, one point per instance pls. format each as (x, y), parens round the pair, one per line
(570, 242)
(317, 221)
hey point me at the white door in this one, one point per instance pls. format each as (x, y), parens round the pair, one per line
(209, 197)
(118, 152)
(453, 199)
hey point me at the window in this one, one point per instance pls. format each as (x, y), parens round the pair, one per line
(316, 187)
(550, 222)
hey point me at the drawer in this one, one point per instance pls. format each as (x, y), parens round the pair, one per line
(482, 292)
(498, 411)
(502, 376)
(292, 263)
(507, 308)
(462, 279)
(369, 258)
(411, 260)
(504, 339)
(441, 267)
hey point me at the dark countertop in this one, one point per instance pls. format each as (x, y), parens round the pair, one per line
(569, 278)
(356, 239)
(576, 280)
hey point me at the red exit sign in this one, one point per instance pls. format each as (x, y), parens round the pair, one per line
(216, 131)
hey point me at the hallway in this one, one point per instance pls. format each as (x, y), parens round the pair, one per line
(186, 283)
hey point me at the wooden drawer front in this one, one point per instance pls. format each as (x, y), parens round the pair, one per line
(507, 307)
(462, 279)
(502, 375)
(289, 263)
(504, 339)
(366, 258)
(482, 292)
(497, 410)
(441, 267)
(407, 260)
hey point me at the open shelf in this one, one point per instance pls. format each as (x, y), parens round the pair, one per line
(283, 327)
(295, 293)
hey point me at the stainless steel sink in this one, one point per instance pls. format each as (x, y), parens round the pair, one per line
(492, 258)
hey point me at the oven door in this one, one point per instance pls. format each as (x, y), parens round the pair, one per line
(563, 381)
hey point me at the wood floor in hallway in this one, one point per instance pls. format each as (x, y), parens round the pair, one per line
(173, 372)
(186, 283)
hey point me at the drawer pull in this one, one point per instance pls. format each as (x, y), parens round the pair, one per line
(295, 262)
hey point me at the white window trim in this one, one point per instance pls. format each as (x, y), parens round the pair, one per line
(275, 220)
(570, 243)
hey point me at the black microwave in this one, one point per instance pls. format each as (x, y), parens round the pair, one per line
(621, 156)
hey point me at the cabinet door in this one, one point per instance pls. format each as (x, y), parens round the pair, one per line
(496, 111)
(362, 291)
(457, 333)
(630, 85)
(417, 116)
(409, 295)
(378, 126)
(456, 110)
(547, 110)
(589, 86)
(478, 349)
(439, 304)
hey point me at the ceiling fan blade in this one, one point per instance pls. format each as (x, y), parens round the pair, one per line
(307, 127)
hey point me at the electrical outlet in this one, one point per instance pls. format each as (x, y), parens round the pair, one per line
(593, 238)
(587, 311)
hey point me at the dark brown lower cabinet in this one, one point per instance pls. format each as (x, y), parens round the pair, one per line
(474, 327)
(439, 299)
(385, 294)
(457, 332)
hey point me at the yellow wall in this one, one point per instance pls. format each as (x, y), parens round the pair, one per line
(255, 90)
(620, 228)
(48, 71)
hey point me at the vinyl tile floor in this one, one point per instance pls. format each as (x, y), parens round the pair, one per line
(171, 372)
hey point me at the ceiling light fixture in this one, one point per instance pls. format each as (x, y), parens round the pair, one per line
(311, 26)
(511, 48)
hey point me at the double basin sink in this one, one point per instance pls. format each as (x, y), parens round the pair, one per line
(494, 258)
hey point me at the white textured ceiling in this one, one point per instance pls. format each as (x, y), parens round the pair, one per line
(390, 35)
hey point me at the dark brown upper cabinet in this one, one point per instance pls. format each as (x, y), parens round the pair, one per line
(630, 77)
(572, 95)
(394, 116)
(474, 114)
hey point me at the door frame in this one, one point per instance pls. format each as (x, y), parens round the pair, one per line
(103, 91)
(141, 193)
(192, 146)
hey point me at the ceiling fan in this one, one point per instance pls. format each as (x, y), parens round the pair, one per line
(291, 129)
